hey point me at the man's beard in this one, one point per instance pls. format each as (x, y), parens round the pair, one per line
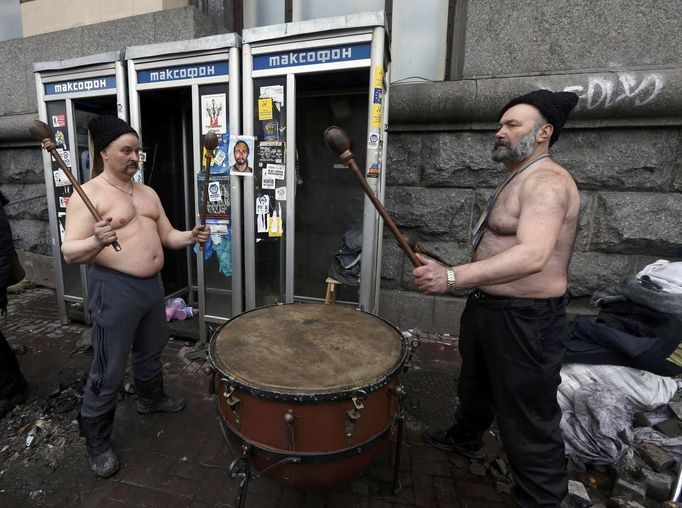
(504, 153)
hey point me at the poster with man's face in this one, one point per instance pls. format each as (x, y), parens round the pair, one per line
(241, 155)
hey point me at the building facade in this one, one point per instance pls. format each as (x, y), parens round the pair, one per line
(623, 143)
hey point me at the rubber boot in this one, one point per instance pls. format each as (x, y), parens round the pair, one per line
(152, 399)
(97, 433)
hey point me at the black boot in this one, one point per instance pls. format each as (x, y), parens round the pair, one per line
(151, 397)
(456, 439)
(97, 432)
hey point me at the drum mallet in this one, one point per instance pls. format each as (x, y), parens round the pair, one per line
(339, 143)
(210, 144)
(41, 132)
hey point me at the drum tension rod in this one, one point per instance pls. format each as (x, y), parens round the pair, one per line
(289, 440)
(231, 401)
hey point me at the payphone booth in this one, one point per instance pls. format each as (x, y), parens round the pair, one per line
(70, 93)
(304, 210)
(178, 92)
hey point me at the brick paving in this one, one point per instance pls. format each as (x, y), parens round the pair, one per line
(182, 459)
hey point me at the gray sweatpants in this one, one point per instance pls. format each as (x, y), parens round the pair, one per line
(127, 314)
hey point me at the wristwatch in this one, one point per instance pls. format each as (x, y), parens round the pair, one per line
(451, 280)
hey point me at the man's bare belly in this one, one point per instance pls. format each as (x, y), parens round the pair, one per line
(551, 282)
(141, 251)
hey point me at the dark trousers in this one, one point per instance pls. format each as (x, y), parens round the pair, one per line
(512, 350)
(11, 379)
(128, 315)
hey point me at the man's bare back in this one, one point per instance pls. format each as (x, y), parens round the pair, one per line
(501, 233)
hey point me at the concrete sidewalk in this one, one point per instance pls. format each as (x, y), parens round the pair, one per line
(181, 459)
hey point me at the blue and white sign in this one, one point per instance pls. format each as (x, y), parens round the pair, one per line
(312, 56)
(81, 85)
(182, 72)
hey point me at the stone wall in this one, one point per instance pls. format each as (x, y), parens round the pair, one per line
(622, 145)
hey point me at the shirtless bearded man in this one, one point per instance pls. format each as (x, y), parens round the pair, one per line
(513, 328)
(125, 293)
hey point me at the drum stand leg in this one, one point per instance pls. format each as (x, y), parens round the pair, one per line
(241, 467)
(398, 447)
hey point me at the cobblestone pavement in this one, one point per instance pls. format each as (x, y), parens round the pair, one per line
(182, 460)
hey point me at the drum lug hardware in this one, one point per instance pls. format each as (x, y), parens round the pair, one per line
(289, 441)
(354, 414)
(233, 402)
(398, 393)
(351, 416)
(358, 399)
(412, 349)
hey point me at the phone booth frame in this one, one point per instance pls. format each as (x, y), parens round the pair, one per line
(68, 80)
(183, 64)
(361, 41)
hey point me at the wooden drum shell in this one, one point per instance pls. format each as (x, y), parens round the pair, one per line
(333, 434)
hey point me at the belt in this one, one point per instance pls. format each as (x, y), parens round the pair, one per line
(480, 296)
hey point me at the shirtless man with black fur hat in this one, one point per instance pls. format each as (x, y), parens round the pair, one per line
(513, 329)
(125, 293)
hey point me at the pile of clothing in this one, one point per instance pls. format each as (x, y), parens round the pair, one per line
(345, 266)
(620, 362)
(639, 324)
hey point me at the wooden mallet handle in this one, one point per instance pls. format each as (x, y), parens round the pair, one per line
(339, 143)
(210, 144)
(41, 132)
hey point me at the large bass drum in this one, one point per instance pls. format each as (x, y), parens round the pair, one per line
(309, 391)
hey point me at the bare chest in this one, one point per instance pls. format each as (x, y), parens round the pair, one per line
(504, 217)
(124, 209)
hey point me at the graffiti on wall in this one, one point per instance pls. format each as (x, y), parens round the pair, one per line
(606, 92)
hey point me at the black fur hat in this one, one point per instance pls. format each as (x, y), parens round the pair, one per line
(104, 129)
(554, 106)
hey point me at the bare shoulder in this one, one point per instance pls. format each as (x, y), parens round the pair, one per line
(90, 189)
(144, 188)
(550, 175)
(146, 192)
(549, 186)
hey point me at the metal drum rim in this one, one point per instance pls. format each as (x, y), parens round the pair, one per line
(321, 396)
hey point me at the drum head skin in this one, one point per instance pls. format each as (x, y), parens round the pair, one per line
(307, 349)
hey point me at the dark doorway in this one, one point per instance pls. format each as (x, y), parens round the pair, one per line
(329, 199)
(166, 125)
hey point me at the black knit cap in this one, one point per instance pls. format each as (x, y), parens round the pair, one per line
(554, 106)
(104, 129)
